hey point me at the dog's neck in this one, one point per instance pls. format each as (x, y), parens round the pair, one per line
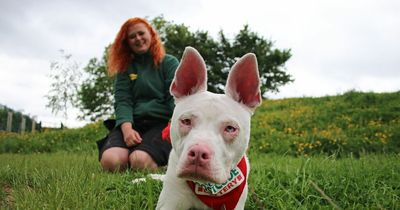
(225, 195)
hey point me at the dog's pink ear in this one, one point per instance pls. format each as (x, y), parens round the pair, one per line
(243, 83)
(190, 76)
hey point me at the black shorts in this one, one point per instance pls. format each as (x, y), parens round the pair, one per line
(152, 143)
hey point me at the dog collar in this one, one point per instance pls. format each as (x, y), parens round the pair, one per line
(226, 195)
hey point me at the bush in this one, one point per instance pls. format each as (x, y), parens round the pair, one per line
(75, 140)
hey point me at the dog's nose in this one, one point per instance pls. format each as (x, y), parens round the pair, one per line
(199, 154)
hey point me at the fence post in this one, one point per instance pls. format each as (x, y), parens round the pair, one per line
(9, 121)
(33, 124)
(23, 121)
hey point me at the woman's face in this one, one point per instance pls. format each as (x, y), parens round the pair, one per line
(139, 38)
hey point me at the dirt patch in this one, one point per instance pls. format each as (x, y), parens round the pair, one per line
(9, 200)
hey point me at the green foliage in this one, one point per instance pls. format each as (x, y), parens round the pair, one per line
(270, 61)
(361, 128)
(71, 181)
(318, 182)
(221, 54)
(350, 124)
(75, 181)
(65, 76)
(95, 99)
(353, 123)
(76, 140)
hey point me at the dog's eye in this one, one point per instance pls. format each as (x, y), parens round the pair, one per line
(230, 129)
(186, 122)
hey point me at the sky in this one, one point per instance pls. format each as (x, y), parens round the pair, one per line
(336, 46)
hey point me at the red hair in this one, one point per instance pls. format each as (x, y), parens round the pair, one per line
(120, 54)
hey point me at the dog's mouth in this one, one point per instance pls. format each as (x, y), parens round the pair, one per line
(200, 174)
(197, 177)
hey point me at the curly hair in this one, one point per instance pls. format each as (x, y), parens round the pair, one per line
(120, 54)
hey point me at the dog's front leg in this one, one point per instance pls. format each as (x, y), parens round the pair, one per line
(172, 198)
(175, 194)
(242, 200)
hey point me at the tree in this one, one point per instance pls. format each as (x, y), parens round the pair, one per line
(270, 61)
(95, 99)
(221, 54)
(66, 77)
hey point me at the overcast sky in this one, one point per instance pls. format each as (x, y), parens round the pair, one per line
(336, 45)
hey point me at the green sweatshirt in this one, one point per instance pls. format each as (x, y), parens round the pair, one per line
(142, 91)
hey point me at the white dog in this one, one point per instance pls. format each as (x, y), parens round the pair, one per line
(208, 167)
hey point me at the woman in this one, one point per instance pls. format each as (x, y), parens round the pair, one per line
(143, 104)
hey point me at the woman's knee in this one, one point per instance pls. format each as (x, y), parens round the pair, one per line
(114, 159)
(142, 160)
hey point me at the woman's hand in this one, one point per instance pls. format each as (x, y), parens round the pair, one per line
(131, 137)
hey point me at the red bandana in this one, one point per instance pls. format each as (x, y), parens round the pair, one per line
(165, 133)
(227, 195)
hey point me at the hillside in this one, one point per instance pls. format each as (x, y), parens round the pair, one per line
(336, 152)
(352, 123)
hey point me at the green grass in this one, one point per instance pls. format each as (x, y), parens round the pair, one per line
(71, 181)
(79, 140)
(350, 124)
(75, 181)
(368, 182)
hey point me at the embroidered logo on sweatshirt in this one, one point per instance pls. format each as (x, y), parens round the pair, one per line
(133, 76)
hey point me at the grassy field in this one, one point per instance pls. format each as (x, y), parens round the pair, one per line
(334, 152)
(348, 124)
(75, 181)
